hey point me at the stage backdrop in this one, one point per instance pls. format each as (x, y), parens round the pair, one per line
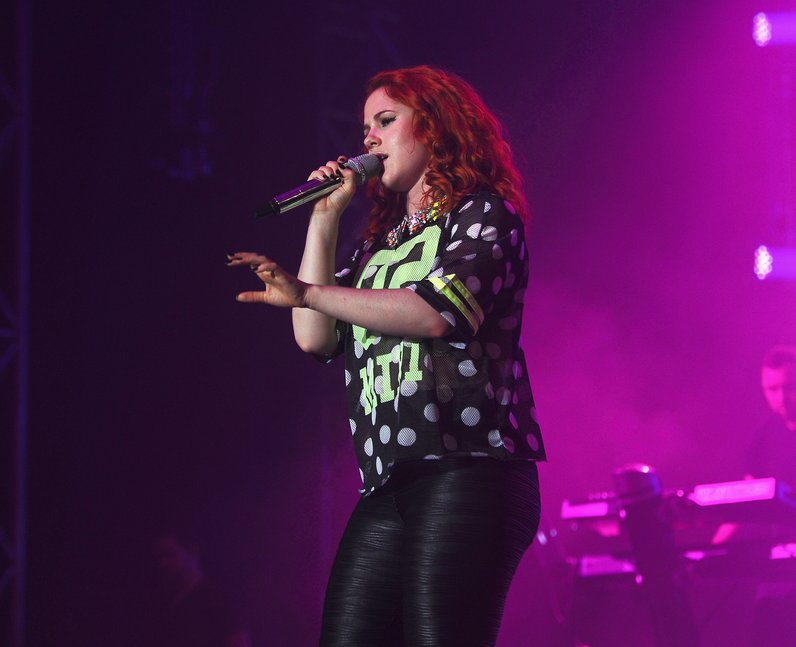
(640, 128)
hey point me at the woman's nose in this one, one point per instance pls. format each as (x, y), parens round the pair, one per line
(371, 140)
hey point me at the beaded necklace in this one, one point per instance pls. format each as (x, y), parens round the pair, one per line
(410, 224)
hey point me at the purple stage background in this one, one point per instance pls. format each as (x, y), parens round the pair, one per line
(641, 129)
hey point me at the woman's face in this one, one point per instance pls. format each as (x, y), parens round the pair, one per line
(389, 131)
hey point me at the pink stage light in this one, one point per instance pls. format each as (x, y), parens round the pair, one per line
(764, 263)
(774, 28)
(775, 263)
(761, 29)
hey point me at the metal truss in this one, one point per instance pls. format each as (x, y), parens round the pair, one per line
(186, 155)
(15, 146)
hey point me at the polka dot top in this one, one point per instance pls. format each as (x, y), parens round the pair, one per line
(467, 393)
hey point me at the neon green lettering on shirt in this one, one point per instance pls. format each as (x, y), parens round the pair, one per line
(384, 362)
(415, 373)
(366, 374)
(408, 272)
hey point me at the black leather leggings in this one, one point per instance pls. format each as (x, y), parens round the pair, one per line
(428, 558)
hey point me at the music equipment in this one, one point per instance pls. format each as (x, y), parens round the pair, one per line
(638, 562)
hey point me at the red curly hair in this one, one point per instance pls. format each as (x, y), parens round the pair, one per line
(469, 152)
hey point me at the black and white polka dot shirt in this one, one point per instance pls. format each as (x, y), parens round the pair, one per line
(467, 393)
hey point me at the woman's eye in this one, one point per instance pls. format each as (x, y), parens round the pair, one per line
(385, 121)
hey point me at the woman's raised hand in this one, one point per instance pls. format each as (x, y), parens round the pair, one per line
(281, 289)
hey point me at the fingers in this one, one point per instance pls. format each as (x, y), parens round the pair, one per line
(267, 272)
(252, 297)
(261, 265)
(332, 169)
(265, 269)
(280, 287)
(246, 258)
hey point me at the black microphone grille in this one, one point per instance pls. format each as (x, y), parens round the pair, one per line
(366, 166)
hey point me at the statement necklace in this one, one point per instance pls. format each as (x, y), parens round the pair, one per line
(410, 224)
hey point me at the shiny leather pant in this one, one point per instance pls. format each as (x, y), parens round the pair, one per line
(428, 558)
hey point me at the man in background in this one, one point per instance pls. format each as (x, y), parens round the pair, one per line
(773, 453)
(773, 449)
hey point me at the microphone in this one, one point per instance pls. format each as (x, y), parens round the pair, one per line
(366, 167)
